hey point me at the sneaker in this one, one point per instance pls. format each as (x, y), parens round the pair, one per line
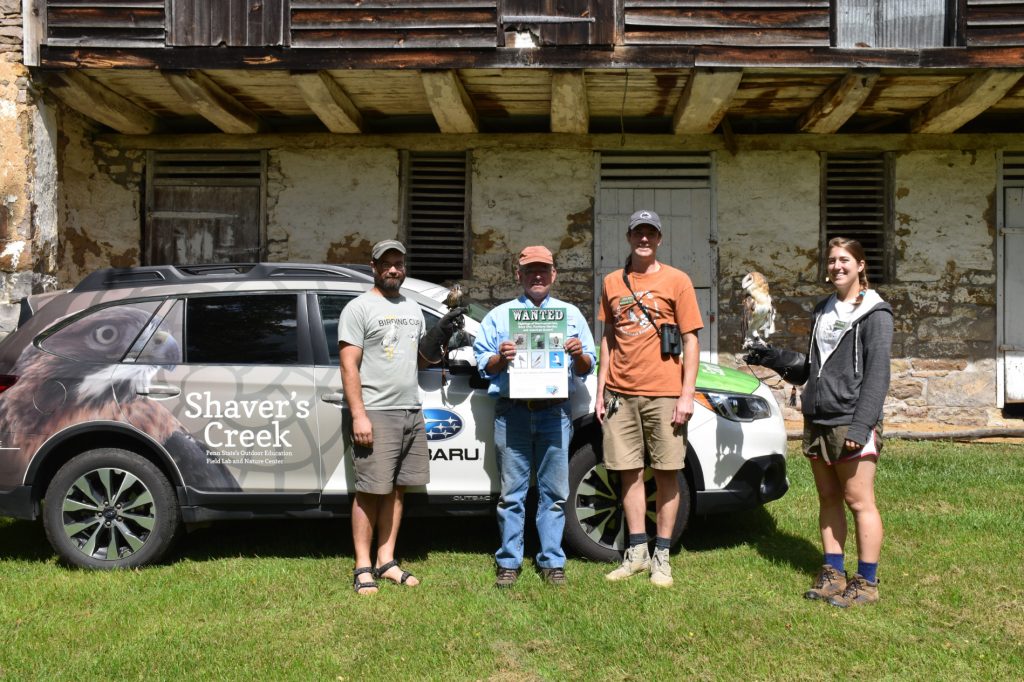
(858, 592)
(661, 570)
(829, 583)
(553, 576)
(634, 560)
(507, 577)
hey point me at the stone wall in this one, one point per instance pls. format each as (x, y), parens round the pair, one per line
(331, 204)
(16, 118)
(945, 285)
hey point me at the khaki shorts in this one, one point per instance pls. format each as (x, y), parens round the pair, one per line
(398, 456)
(826, 442)
(642, 423)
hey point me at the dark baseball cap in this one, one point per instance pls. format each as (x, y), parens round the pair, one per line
(645, 217)
(386, 245)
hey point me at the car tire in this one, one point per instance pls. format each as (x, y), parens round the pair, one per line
(594, 524)
(110, 509)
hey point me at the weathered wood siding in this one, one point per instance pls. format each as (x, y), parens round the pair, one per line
(727, 22)
(394, 23)
(903, 24)
(993, 22)
(562, 22)
(121, 23)
(229, 23)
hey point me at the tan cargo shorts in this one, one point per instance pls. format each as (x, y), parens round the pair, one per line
(398, 456)
(639, 424)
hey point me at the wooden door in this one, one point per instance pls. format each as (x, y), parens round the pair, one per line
(1013, 293)
(678, 189)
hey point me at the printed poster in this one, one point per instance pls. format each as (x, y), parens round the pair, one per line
(539, 369)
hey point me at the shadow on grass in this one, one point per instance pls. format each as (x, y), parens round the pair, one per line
(420, 536)
(332, 538)
(755, 528)
(24, 541)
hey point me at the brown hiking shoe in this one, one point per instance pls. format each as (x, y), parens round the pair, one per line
(829, 583)
(857, 593)
(507, 577)
(554, 576)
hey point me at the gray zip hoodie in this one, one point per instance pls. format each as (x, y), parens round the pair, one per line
(849, 387)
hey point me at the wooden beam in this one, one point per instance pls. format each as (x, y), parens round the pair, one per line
(419, 142)
(704, 101)
(213, 103)
(619, 57)
(453, 110)
(33, 30)
(964, 101)
(98, 102)
(838, 103)
(329, 102)
(570, 112)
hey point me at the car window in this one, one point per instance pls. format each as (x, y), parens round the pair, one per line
(242, 330)
(102, 335)
(163, 346)
(331, 306)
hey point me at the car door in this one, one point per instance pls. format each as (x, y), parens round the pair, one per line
(238, 392)
(458, 416)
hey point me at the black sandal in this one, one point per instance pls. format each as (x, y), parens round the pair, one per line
(381, 570)
(357, 585)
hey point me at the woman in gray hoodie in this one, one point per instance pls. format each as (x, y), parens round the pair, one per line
(845, 374)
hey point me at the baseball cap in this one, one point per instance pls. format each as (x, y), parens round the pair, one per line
(536, 254)
(645, 217)
(386, 245)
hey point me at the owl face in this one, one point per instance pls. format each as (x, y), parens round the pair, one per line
(753, 280)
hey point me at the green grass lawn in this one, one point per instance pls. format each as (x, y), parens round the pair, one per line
(272, 600)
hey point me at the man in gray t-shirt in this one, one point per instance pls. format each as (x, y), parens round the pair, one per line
(383, 340)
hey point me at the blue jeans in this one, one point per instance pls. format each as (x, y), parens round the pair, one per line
(539, 442)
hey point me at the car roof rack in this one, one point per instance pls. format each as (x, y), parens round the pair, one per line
(153, 275)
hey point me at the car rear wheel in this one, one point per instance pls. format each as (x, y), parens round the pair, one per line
(110, 508)
(594, 523)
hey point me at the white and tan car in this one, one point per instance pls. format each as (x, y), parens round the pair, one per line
(149, 398)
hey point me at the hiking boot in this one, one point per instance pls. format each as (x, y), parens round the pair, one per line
(661, 570)
(507, 577)
(634, 560)
(553, 576)
(829, 583)
(858, 592)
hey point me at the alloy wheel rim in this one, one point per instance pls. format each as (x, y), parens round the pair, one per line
(598, 506)
(108, 514)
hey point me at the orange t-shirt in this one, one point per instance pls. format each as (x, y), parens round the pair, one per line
(636, 365)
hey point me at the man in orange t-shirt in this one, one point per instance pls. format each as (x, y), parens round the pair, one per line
(645, 388)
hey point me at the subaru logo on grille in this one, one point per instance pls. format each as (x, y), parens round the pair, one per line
(441, 424)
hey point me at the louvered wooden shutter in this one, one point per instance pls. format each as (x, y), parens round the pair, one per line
(856, 204)
(436, 220)
(204, 207)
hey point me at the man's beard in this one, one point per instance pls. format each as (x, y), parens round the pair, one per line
(390, 285)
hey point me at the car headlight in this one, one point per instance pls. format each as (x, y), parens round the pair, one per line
(735, 407)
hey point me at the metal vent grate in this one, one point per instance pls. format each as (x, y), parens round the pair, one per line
(218, 169)
(856, 206)
(1013, 169)
(655, 171)
(436, 216)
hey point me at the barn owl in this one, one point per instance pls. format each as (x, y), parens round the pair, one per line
(758, 311)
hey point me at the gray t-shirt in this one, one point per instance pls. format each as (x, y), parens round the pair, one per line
(388, 330)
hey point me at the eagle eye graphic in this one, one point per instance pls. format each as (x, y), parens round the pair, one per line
(106, 334)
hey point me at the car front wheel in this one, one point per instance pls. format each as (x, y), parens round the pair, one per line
(110, 508)
(594, 524)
